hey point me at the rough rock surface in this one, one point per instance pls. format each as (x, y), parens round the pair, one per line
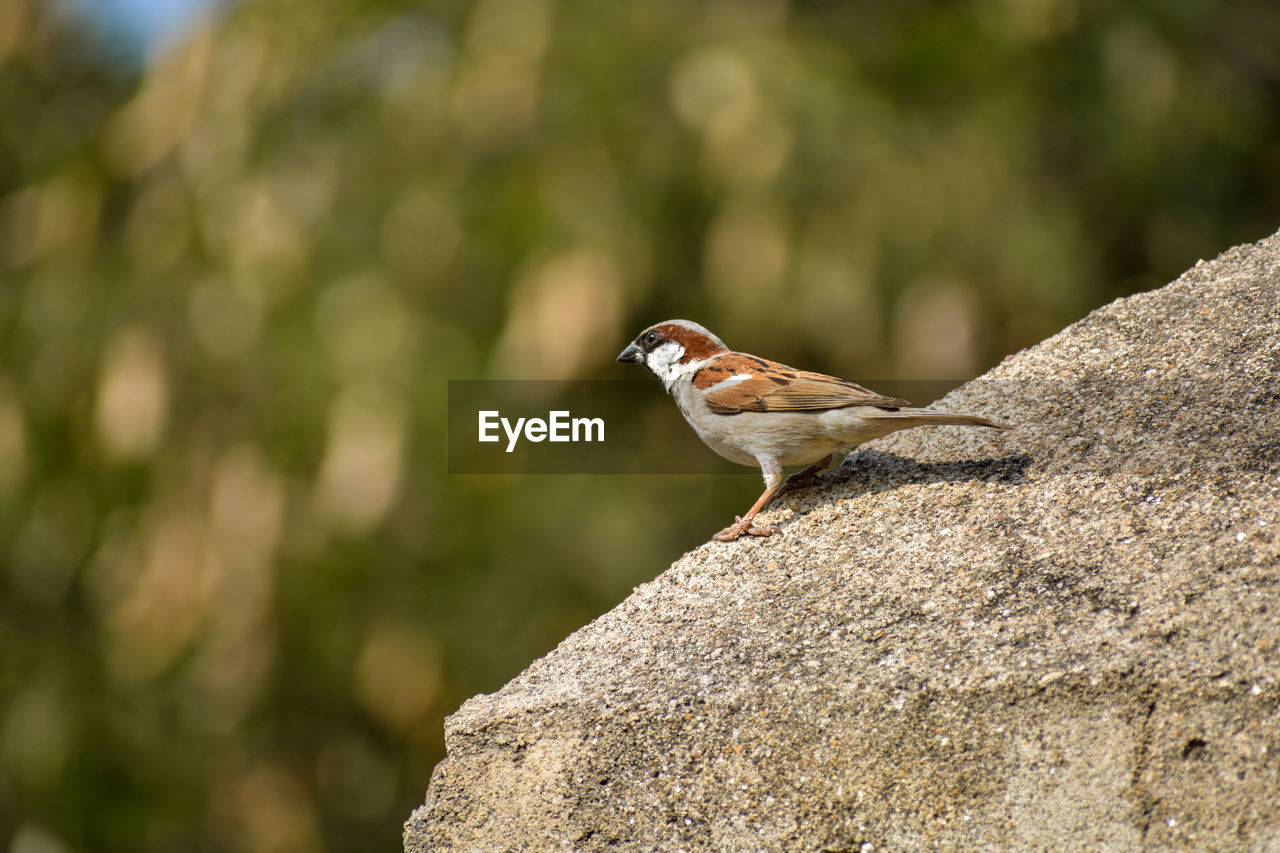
(1063, 637)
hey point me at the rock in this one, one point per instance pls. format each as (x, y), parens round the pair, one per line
(1060, 637)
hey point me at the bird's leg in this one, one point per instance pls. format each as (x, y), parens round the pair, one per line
(804, 479)
(772, 483)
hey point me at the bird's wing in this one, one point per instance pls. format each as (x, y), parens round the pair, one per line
(736, 382)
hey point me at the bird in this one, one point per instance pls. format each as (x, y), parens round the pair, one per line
(754, 411)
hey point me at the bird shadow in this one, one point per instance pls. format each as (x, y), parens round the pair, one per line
(871, 472)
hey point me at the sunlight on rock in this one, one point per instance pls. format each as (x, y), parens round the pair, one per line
(132, 398)
(563, 313)
(362, 464)
(398, 675)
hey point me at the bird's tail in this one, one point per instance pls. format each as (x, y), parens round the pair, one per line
(906, 417)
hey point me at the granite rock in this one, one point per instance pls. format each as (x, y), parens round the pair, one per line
(1061, 637)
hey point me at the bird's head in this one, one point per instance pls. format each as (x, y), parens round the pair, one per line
(673, 348)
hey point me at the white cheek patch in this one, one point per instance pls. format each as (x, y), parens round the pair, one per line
(736, 379)
(665, 361)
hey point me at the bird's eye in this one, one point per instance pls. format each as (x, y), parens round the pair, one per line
(651, 338)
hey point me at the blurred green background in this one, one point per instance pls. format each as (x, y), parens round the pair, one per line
(239, 591)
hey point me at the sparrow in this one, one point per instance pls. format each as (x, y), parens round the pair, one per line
(753, 411)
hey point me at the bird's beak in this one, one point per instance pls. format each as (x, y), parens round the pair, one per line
(631, 353)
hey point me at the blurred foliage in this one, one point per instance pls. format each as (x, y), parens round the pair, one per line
(239, 591)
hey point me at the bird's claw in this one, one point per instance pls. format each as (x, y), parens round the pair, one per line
(745, 527)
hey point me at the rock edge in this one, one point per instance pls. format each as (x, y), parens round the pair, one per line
(1064, 637)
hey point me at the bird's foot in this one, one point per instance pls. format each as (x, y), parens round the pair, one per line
(745, 527)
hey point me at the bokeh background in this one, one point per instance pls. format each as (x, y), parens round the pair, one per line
(238, 591)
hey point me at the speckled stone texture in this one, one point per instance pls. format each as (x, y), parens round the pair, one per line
(1063, 637)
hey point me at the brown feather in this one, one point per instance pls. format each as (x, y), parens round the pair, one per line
(696, 346)
(778, 388)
